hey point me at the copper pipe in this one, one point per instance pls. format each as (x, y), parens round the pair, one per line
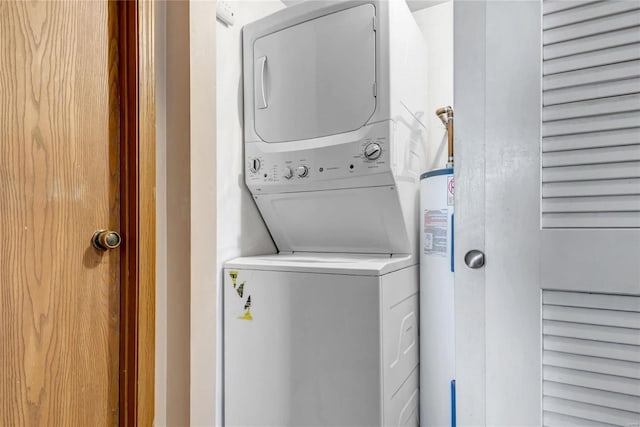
(446, 116)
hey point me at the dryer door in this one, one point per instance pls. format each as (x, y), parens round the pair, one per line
(316, 78)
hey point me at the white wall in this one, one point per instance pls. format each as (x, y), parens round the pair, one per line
(241, 230)
(186, 214)
(173, 251)
(436, 23)
(203, 305)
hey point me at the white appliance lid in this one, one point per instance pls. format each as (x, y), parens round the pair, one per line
(348, 264)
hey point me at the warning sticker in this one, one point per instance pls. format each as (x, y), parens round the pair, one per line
(450, 191)
(234, 277)
(436, 227)
(246, 312)
(240, 289)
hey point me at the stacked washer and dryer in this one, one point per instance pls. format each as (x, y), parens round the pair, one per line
(326, 331)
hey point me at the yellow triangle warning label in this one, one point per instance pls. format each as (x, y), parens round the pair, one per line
(240, 289)
(234, 277)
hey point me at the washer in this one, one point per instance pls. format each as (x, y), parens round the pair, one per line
(329, 341)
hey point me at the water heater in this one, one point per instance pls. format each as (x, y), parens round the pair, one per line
(437, 352)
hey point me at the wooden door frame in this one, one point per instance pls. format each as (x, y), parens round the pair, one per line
(136, 44)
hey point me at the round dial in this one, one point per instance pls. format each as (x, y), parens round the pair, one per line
(254, 165)
(287, 172)
(372, 151)
(302, 171)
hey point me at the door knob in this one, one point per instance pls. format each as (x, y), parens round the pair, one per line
(106, 239)
(474, 258)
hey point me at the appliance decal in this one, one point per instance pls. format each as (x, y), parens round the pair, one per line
(450, 190)
(240, 289)
(240, 292)
(436, 229)
(247, 310)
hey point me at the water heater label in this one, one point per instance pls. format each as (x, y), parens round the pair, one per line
(450, 189)
(436, 230)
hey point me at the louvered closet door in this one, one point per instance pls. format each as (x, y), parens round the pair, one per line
(547, 99)
(590, 190)
(591, 115)
(591, 358)
(590, 213)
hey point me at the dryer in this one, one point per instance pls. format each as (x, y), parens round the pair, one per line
(334, 113)
(324, 332)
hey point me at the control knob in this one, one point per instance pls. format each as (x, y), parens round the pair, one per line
(287, 172)
(254, 166)
(302, 171)
(372, 151)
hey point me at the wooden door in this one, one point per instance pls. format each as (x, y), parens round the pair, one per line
(59, 182)
(547, 185)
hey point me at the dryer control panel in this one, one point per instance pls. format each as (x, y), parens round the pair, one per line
(272, 168)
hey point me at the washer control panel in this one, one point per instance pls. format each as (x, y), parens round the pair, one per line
(367, 156)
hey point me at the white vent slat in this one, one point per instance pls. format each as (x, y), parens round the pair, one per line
(592, 172)
(611, 72)
(591, 43)
(591, 220)
(553, 6)
(592, 156)
(591, 124)
(590, 358)
(551, 419)
(596, 107)
(592, 204)
(607, 350)
(592, 300)
(592, 59)
(606, 399)
(574, 377)
(591, 332)
(589, 28)
(590, 412)
(611, 187)
(587, 12)
(597, 365)
(591, 140)
(587, 92)
(624, 319)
